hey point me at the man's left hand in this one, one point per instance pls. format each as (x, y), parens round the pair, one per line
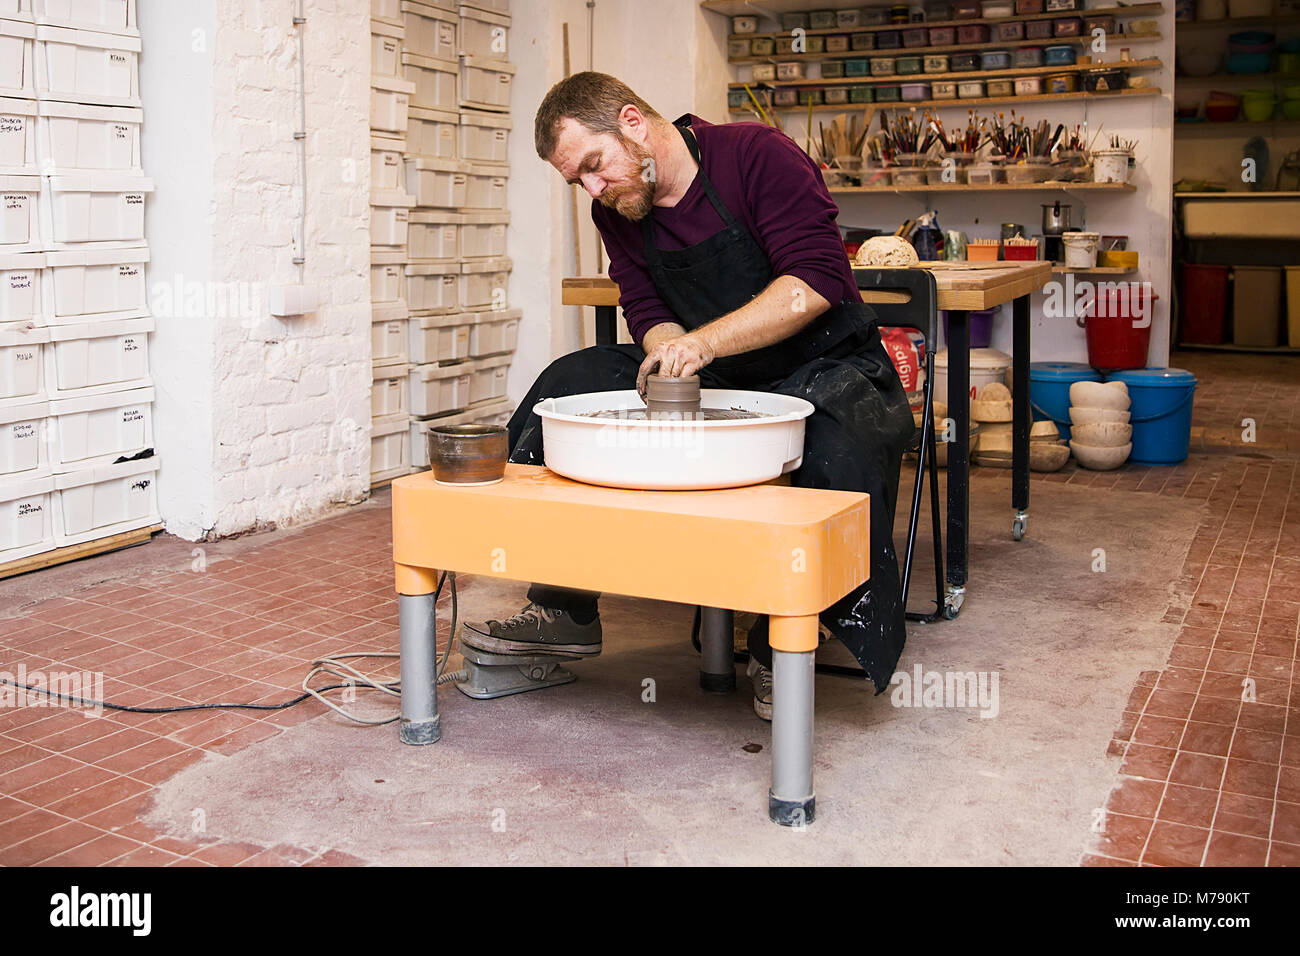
(675, 358)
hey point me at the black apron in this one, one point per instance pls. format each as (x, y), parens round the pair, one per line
(836, 362)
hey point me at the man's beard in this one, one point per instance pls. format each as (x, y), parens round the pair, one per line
(632, 202)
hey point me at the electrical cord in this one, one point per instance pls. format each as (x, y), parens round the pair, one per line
(333, 666)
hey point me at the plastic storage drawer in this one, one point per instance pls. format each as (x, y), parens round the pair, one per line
(17, 46)
(484, 33)
(80, 66)
(440, 183)
(18, 137)
(97, 430)
(93, 208)
(20, 223)
(22, 366)
(435, 81)
(95, 283)
(390, 450)
(489, 379)
(495, 333)
(388, 391)
(20, 289)
(484, 137)
(103, 16)
(483, 235)
(440, 339)
(98, 357)
(483, 284)
(440, 389)
(24, 448)
(433, 287)
(485, 83)
(388, 333)
(430, 30)
(390, 103)
(26, 518)
(72, 138)
(106, 500)
(435, 235)
(433, 134)
(385, 48)
(387, 275)
(390, 215)
(486, 188)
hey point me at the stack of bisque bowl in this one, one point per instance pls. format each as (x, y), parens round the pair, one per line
(1047, 449)
(1101, 437)
(991, 408)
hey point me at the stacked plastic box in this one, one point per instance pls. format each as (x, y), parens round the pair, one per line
(462, 331)
(390, 213)
(76, 399)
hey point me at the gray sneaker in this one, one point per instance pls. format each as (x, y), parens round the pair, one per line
(761, 678)
(534, 630)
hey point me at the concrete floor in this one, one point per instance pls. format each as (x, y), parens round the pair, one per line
(589, 773)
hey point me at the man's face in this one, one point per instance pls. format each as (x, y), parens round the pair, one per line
(612, 168)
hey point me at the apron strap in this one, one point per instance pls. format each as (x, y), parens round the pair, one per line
(728, 220)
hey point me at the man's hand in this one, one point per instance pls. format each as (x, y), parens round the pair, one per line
(675, 358)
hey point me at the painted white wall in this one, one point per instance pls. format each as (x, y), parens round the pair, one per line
(266, 421)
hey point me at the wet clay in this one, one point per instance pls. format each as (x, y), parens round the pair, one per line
(672, 397)
(703, 414)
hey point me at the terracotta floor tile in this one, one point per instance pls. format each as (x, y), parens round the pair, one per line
(227, 854)
(1169, 703)
(99, 851)
(1231, 849)
(1213, 710)
(146, 856)
(1159, 731)
(1291, 751)
(156, 773)
(1248, 816)
(1134, 797)
(26, 826)
(1262, 717)
(128, 761)
(1288, 784)
(1172, 844)
(1197, 770)
(1203, 738)
(1152, 763)
(1250, 778)
(48, 844)
(1283, 854)
(1191, 806)
(1256, 745)
(1123, 838)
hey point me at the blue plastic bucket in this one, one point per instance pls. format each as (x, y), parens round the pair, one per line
(1049, 390)
(1161, 413)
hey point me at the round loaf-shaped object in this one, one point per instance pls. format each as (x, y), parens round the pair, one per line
(886, 251)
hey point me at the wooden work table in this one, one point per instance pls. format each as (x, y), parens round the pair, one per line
(962, 287)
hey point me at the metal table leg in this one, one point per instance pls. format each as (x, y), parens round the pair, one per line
(717, 650)
(1020, 416)
(606, 325)
(958, 458)
(419, 662)
(792, 800)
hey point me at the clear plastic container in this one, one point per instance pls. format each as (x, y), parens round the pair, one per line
(985, 174)
(1033, 170)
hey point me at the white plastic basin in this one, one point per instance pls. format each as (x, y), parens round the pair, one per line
(673, 455)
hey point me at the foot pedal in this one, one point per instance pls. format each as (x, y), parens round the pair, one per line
(489, 675)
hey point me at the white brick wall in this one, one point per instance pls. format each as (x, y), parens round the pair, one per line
(288, 400)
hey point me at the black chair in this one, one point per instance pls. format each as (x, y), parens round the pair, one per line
(916, 308)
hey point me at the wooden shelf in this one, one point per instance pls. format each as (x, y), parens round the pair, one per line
(1229, 347)
(989, 188)
(1231, 24)
(962, 104)
(736, 8)
(1093, 271)
(1229, 128)
(72, 552)
(894, 79)
(926, 50)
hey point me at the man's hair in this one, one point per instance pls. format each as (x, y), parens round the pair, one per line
(592, 99)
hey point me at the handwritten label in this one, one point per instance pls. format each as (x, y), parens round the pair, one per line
(24, 430)
(132, 415)
(126, 272)
(27, 508)
(20, 280)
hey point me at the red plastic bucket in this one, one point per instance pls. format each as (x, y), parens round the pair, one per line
(1118, 325)
(1205, 305)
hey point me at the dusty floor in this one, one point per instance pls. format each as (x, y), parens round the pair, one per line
(1120, 733)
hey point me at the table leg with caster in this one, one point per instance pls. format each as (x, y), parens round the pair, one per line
(792, 800)
(1020, 416)
(419, 662)
(958, 459)
(717, 650)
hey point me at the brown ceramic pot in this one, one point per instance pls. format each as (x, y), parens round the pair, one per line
(468, 454)
(672, 397)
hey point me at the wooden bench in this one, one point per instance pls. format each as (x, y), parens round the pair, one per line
(773, 549)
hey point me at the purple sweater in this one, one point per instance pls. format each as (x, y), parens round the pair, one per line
(772, 188)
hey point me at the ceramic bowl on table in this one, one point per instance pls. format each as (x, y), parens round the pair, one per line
(468, 454)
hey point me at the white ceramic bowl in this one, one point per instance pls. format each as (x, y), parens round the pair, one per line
(673, 455)
(1100, 395)
(1103, 434)
(1081, 415)
(1100, 459)
(1048, 456)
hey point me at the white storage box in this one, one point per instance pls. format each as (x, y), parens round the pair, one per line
(489, 379)
(20, 290)
(17, 60)
(432, 134)
(80, 66)
(16, 10)
(385, 48)
(438, 183)
(431, 29)
(19, 220)
(485, 83)
(483, 235)
(483, 284)
(439, 389)
(388, 334)
(435, 235)
(387, 275)
(483, 33)
(23, 445)
(440, 338)
(93, 208)
(99, 429)
(388, 391)
(104, 501)
(389, 11)
(435, 80)
(95, 284)
(390, 449)
(485, 188)
(495, 333)
(26, 519)
(97, 357)
(492, 6)
(484, 137)
(493, 413)
(22, 366)
(17, 136)
(72, 138)
(390, 99)
(387, 172)
(389, 218)
(105, 16)
(433, 287)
